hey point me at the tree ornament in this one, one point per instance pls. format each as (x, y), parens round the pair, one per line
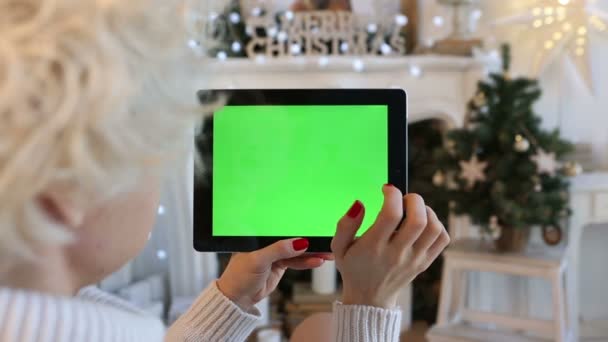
(552, 235)
(573, 169)
(439, 178)
(506, 75)
(450, 145)
(521, 144)
(450, 181)
(538, 188)
(472, 171)
(479, 100)
(545, 162)
(494, 228)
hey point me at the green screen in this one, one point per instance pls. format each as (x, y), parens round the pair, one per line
(293, 171)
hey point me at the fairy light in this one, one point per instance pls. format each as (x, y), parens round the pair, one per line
(222, 55)
(272, 31)
(580, 51)
(386, 49)
(548, 11)
(401, 20)
(236, 47)
(549, 20)
(415, 71)
(537, 23)
(582, 31)
(289, 15)
(558, 35)
(567, 27)
(323, 61)
(256, 11)
(537, 11)
(234, 17)
(438, 21)
(549, 44)
(282, 36)
(580, 41)
(564, 2)
(161, 210)
(344, 47)
(372, 28)
(358, 65)
(296, 49)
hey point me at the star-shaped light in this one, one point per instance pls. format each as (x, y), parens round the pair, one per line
(560, 27)
(545, 162)
(472, 171)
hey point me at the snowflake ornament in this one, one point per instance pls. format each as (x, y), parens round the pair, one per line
(472, 171)
(545, 162)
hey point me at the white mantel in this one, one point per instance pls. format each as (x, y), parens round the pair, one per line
(437, 86)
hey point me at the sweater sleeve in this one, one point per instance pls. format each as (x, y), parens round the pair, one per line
(358, 323)
(213, 317)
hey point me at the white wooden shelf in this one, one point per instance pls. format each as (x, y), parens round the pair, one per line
(467, 333)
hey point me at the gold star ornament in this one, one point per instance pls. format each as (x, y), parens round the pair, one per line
(472, 171)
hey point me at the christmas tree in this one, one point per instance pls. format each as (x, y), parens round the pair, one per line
(502, 169)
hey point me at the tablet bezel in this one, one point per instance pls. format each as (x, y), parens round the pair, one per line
(395, 99)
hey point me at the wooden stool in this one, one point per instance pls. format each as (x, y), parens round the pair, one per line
(455, 322)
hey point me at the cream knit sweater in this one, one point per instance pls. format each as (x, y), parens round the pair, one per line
(96, 316)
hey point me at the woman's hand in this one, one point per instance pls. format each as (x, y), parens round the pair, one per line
(250, 277)
(377, 265)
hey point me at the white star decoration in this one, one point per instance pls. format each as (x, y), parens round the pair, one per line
(558, 28)
(545, 162)
(473, 171)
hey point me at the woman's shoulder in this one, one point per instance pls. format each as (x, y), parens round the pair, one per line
(34, 316)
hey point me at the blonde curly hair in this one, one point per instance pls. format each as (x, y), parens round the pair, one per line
(90, 92)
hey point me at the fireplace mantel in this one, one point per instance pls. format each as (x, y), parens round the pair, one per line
(437, 86)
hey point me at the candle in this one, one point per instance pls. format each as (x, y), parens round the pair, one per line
(324, 278)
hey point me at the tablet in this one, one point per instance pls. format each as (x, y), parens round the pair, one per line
(282, 164)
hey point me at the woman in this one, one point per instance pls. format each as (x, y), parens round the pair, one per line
(88, 95)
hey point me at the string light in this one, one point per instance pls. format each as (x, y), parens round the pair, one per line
(564, 2)
(272, 31)
(236, 47)
(438, 21)
(386, 49)
(260, 59)
(549, 44)
(549, 20)
(358, 65)
(256, 11)
(580, 41)
(234, 17)
(282, 36)
(213, 16)
(548, 10)
(222, 55)
(401, 20)
(161, 210)
(558, 35)
(415, 71)
(582, 30)
(537, 23)
(567, 27)
(323, 61)
(344, 47)
(537, 11)
(161, 254)
(296, 49)
(372, 28)
(289, 15)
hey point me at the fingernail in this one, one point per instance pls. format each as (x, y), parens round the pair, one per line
(389, 185)
(355, 209)
(300, 244)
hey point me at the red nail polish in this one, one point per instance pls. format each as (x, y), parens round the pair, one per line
(300, 244)
(389, 185)
(355, 209)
